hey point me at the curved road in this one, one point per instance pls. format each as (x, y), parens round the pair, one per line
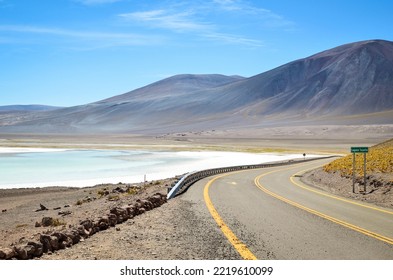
(269, 214)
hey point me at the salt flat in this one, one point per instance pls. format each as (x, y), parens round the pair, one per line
(79, 168)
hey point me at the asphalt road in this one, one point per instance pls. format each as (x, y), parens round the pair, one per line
(270, 214)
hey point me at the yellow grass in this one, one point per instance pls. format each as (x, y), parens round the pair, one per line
(379, 160)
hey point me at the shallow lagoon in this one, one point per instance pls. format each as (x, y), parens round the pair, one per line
(40, 167)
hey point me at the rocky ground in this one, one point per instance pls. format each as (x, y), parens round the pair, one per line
(155, 234)
(28, 214)
(379, 187)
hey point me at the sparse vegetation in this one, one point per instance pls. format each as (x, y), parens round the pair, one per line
(79, 202)
(113, 197)
(102, 192)
(84, 200)
(21, 225)
(57, 222)
(379, 160)
(132, 191)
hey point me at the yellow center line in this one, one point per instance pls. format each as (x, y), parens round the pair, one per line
(317, 213)
(239, 246)
(300, 185)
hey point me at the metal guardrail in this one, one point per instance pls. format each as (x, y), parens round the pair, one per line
(190, 178)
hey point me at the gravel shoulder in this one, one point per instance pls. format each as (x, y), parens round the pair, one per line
(379, 187)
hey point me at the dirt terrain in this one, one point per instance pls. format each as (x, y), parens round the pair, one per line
(156, 234)
(379, 187)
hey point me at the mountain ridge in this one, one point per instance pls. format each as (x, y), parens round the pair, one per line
(27, 108)
(352, 79)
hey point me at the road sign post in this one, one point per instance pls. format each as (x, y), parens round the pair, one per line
(354, 151)
(364, 171)
(353, 171)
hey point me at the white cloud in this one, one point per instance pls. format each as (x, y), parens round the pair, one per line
(233, 39)
(229, 5)
(266, 17)
(182, 22)
(98, 38)
(274, 20)
(164, 19)
(206, 19)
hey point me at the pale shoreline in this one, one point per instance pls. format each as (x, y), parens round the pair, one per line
(200, 160)
(14, 150)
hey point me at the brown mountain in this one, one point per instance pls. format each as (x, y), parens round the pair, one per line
(352, 83)
(351, 79)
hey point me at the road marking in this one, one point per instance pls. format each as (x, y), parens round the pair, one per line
(240, 247)
(312, 211)
(300, 185)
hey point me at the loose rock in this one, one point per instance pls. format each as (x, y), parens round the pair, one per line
(47, 221)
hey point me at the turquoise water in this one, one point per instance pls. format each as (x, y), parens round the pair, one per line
(90, 167)
(62, 166)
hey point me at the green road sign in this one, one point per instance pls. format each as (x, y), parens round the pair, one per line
(359, 149)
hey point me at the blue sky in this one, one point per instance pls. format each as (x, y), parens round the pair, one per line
(72, 52)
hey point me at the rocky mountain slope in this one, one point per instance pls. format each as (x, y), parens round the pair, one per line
(26, 108)
(351, 83)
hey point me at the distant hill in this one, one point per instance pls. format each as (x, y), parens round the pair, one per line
(173, 87)
(350, 84)
(27, 108)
